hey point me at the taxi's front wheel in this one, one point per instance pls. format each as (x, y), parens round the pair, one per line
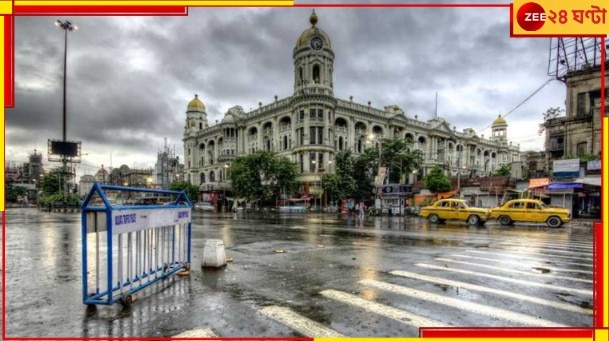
(554, 221)
(473, 219)
(433, 218)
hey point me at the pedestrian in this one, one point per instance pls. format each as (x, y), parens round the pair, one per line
(362, 207)
(350, 206)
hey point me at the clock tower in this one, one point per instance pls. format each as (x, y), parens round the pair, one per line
(313, 60)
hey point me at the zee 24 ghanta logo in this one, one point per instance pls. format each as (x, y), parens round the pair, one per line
(531, 16)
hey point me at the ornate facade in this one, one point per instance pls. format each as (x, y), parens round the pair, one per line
(310, 126)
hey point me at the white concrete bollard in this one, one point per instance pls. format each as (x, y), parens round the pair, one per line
(214, 255)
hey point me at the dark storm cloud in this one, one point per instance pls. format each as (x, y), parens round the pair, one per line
(129, 79)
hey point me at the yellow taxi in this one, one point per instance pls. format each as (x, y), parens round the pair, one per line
(454, 209)
(530, 210)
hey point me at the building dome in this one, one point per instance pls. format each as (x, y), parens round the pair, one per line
(195, 105)
(499, 121)
(228, 119)
(306, 36)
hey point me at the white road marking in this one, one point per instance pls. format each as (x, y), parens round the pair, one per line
(203, 332)
(566, 245)
(553, 247)
(503, 261)
(543, 250)
(383, 310)
(299, 323)
(474, 287)
(501, 269)
(516, 255)
(492, 312)
(507, 279)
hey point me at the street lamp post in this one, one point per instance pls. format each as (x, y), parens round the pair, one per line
(225, 202)
(373, 138)
(66, 26)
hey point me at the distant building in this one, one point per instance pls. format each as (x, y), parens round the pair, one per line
(167, 168)
(25, 172)
(312, 125)
(85, 184)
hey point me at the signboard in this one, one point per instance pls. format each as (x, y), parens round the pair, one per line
(594, 165)
(135, 220)
(565, 168)
(396, 189)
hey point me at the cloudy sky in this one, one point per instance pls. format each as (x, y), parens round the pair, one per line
(130, 78)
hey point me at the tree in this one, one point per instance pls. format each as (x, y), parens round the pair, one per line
(436, 181)
(549, 114)
(191, 190)
(399, 158)
(342, 183)
(262, 176)
(504, 170)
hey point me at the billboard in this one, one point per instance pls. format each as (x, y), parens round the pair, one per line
(565, 168)
(58, 150)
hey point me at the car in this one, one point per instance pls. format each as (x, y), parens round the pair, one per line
(204, 206)
(530, 210)
(454, 209)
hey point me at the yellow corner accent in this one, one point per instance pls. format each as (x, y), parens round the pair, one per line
(154, 3)
(6, 7)
(600, 334)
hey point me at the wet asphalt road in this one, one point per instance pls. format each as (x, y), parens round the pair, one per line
(337, 276)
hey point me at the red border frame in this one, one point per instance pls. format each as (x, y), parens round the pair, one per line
(181, 11)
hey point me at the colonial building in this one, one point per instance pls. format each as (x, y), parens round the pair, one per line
(310, 126)
(578, 133)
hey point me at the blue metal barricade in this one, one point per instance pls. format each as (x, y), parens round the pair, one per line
(132, 238)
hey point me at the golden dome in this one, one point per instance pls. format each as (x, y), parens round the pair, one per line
(499, 121)
(195, 105)
(305, 37)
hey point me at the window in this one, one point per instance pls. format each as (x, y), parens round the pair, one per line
(582, 148)
(212, 177)
(581, 104)
(285, 143)
(302, 113)
(302, 163)
(300, 132)
(202, 178)
(316, 135)
(516, 205)
(316, 73)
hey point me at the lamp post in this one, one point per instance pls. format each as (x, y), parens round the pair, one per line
(373, 138)
(66, 26)
(225, 202)
(314, 200)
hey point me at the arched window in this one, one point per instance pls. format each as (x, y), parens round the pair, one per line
(316, 73)
(212, 177)
(202, 178)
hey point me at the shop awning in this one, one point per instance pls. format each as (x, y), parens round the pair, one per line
(539, 182)
(589, 180)
(564, 185)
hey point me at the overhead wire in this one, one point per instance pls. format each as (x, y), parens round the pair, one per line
(523, 102)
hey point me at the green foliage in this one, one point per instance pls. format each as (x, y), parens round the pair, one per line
(504, 170)
(53, 182)
(262, 175)
(583, 158)
(191, 190)
(12, 192)
(354, 176)
(436, 181)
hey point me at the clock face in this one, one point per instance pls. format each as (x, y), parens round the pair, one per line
(317, 43)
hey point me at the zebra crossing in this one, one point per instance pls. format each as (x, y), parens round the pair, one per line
(529, 270)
